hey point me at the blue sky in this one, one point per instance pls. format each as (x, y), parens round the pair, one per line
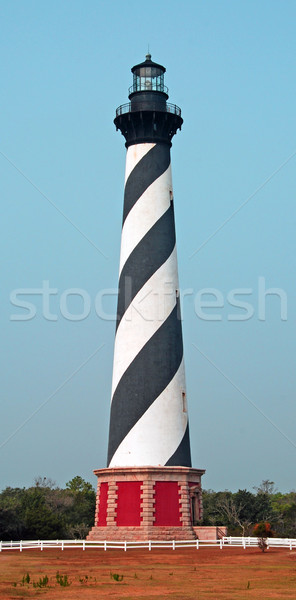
(65, 68)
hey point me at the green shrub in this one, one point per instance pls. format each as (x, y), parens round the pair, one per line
(62, 580)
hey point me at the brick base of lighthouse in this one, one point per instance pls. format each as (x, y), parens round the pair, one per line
(147, 503)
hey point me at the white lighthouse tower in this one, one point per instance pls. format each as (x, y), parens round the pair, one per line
(149, 488)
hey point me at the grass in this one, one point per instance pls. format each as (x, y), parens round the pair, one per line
(187, 574)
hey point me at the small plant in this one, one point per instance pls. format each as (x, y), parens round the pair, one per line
(43, 582)
(83, 579)
(248, 585)
(263, 531)
(136, 576)
(62, 580)
(26, 579)
(116, 576)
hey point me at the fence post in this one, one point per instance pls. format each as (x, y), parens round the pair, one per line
(221, 545)
(125, 546)
(83, 545)
(0, 546)
(149, 544)
(174, 545)
(244, 543)
(21, 546)
(105, 545)
(62, 545)
(290, 544)
(41, 546)
(197, 544)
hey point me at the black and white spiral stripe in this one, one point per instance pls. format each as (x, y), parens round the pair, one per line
(149, 422)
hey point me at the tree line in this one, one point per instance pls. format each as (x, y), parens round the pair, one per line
(45, 511)
(242, 510)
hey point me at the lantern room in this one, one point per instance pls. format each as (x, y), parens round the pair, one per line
(148, 76)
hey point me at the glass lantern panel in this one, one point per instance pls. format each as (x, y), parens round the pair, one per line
(148, 79)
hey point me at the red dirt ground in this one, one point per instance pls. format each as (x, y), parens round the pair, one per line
(184, 574)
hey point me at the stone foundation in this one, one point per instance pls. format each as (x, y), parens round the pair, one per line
(147, 503)
(207, 532)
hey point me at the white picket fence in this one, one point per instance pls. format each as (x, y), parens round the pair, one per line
(246, 542)
(243, 542)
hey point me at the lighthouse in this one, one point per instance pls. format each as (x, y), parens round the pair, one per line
(149, 489)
